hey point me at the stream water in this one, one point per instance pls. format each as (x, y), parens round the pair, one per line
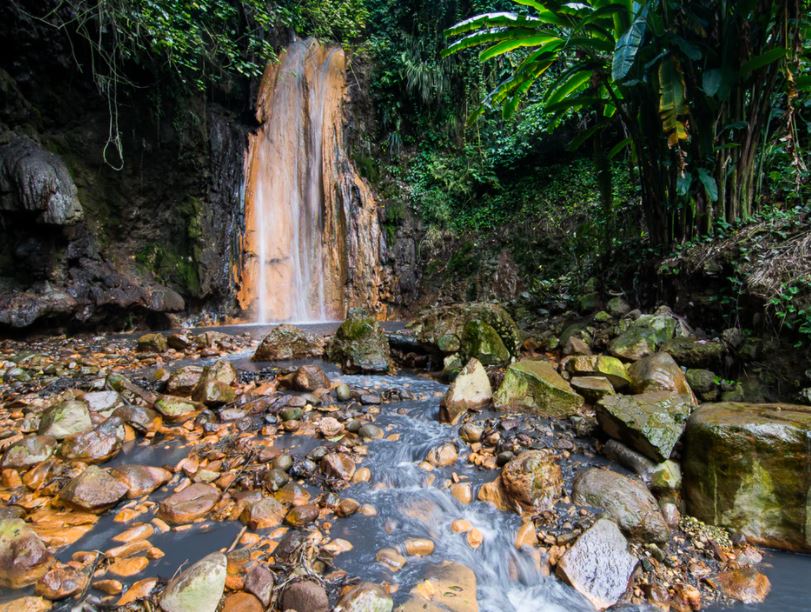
(411, 503)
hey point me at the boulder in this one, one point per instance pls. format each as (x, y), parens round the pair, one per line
(24, 559)
(625, 501)
(260, 581)
(183, 380)
(593, 388)
(153, 343)
(213, 393)
(140, 418)
(95, 490)
(617, 307)
(65, 419)
(198, 588)
(703, 383)
(694, 353)
(305, 596)
(288, 342)
(29, 451)
(310, 378)
(103, 402)
(265, 513)
(193, 502)
(338, 465)
(441, 329)
(658, 372)
(746, 585)
(365, 597)
(140, 479)
(533, 479)
(61, 581)
(97, 445)
(360, 345)
(446, 587)
(646, 335)
(650, 423)
(177, 408)
(747, 467)
(470, 390)
(536, 386)
(599, 565)
(599, 365)
(481, 341)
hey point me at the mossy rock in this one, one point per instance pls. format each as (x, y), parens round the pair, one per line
(441, 329)
(694, 353)
(644, 336)
(360, 345)
(288, 342)
(536, 387)
(599, 365)
(481, 341)
(747, 467)
(650, 423)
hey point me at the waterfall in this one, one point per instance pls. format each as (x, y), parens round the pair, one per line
(312, 235)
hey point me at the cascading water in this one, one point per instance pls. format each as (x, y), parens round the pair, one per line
(312, 236)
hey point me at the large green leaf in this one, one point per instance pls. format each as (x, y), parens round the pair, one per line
(672, 101)
(762, 60)
(493, 20)
(628, 46)
(516, 42)
(711, 81)
(544, 13)
(710, 186)
(568, 85)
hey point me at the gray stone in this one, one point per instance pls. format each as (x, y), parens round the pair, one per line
(624, 500)
(198, 588)
(599, 565)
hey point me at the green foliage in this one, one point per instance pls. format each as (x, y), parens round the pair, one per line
(693, 84)
(790, 311)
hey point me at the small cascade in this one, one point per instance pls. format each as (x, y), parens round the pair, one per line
(312, 236)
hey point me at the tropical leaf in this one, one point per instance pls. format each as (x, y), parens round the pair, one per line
(710, 186)
(570, 82)
(628, 45)
(517, 42)
(711, 81)
(544, 13)
(585, 136)
(762, 60)
(672, 101)
(493, 20)
(619, 147)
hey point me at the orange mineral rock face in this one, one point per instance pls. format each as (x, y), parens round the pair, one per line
(312, 241)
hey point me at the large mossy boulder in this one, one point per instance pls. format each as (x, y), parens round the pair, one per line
(650, 423)
(747, 467)
(536, 387)
(695, 353)
(481, 341)
(646, 335)
(360, 345)
(443, 330)
(289, 342)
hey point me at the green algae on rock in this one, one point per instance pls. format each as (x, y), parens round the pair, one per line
(481, 341)
(360, 345)
(747, 467)
(650, 423)
(536, 386)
